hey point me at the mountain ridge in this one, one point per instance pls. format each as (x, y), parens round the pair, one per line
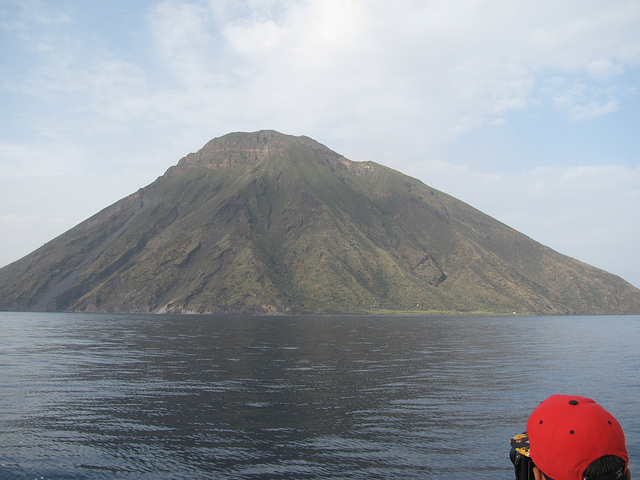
(264, 222)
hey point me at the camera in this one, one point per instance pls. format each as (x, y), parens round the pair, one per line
(523, 465)
(519, 456)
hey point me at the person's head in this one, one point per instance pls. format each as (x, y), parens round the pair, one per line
(574, 438)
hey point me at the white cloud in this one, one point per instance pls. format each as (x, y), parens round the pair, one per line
(445, 67)
(583, 102)
(17, 15)
(341, 68)
(603, 68)
(183, 35)
(592, 110)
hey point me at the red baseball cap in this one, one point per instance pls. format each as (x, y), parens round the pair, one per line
(566, 433)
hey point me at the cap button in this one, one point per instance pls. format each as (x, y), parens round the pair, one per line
(573, 402)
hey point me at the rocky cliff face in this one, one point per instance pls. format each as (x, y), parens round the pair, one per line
(268, 223)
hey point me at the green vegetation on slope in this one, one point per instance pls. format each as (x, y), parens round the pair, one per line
(268, 223)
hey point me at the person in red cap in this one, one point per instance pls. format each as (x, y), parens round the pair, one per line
(571, 438)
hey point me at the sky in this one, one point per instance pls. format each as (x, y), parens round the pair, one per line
(528, 111)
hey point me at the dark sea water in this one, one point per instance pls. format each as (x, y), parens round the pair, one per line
(231, 397)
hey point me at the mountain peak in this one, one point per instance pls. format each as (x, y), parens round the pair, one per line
(244, 148)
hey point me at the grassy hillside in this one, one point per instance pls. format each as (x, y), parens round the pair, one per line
(269, 223)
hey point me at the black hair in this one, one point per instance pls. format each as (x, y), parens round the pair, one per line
(605, 466)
